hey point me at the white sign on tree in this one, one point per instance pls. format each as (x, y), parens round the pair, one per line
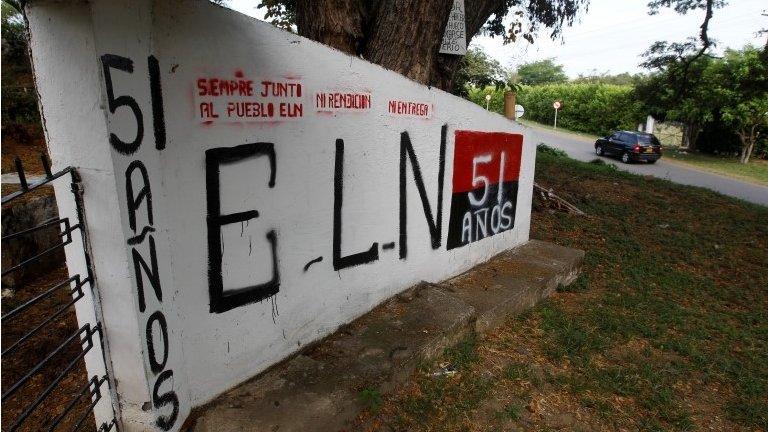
(455, 36)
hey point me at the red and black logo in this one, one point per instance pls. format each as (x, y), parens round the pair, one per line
(486, 168)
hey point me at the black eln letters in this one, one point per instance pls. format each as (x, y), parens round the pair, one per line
(435, 224)
(214, 158)
(339, 261)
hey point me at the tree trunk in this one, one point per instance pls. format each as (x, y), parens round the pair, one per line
(336, 23)
(690, 135)
(747, 144)
(401, 35)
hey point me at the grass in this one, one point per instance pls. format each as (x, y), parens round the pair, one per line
(371, 399)
(756, 171)
(666, 329)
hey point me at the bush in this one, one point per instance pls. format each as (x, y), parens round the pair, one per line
(591, 108)
(477, 95)
(19, 105)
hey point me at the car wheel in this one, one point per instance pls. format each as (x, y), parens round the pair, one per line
(599, 150)
(625, 158)
(652, 161)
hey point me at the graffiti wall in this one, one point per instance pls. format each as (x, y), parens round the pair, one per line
(248, 191)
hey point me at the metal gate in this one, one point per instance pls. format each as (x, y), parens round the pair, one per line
(669, 133)
(50, 318)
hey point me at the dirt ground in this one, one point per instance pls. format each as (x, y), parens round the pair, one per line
(27, 143)
(19, 362)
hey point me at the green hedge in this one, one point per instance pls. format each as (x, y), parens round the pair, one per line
(496, 104)
(590, 108)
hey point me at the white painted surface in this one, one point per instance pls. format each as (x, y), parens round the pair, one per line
(519, 111)
(67, 79)
(455, 36)
(210, 352)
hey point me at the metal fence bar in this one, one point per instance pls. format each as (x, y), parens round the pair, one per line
(15, 387)
(67, 232)
(30, 187)
(96, 397)
(86, 389)
(20, 172)
(48, 223)
(106, 427)
(77, 192)
(75, 413)
(33, 301)
(25, 415)
(53, 316)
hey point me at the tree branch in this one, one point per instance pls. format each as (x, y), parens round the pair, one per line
(678, 58)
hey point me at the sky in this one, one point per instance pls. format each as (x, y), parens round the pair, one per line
(612, 34)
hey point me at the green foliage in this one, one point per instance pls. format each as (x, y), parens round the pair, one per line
(18, 94)
(513, 411)
(477, 95)
(541, 72)
(19, 105)
(591, 108)
(728, 95)
(464, 354)
(717, 138)
(522, 371)
(478, 70)
(13, 35)
(605, 78)
(581, 283)
(510, 19)
(545, 149)
(280, 13)
(739, 84)
(371, 399)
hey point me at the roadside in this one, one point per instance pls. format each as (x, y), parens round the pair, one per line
(583, 150)
(755, 172)
(576, 135)
(665, 330)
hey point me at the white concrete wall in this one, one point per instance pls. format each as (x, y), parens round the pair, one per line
(213, 345)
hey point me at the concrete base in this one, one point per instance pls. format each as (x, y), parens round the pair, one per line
(318, 389)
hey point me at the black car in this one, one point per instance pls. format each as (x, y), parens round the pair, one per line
(630, 146)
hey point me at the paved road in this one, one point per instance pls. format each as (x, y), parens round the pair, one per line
(582, 148)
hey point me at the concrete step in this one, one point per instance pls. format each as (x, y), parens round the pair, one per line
(514, 281)
(318, 390)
